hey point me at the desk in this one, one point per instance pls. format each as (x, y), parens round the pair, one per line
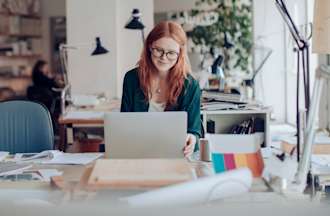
(93, 118)
(107, 200)
(73, 174)
(65, 123)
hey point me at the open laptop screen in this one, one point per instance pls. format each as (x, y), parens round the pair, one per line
(145, 134)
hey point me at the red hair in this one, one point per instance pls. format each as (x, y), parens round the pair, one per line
(177, 73)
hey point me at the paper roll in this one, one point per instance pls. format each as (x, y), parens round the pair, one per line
(203, 190)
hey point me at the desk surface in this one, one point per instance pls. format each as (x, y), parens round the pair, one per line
(41, 193)
(73, 173)
(93, 114)
(94, 121)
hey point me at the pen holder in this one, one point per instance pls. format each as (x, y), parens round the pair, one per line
(204, 150)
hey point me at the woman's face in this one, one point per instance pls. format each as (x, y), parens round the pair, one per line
(45, 69)
(164, 54)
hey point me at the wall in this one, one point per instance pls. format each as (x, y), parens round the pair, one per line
(50, 8)
(87, 19)
(173, 5)
(130, 41)
(269, 32)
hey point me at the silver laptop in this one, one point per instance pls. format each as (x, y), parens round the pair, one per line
(145, 134)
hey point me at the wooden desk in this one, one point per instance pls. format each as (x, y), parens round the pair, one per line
(15, 192)
(70, 122)
(65, 123)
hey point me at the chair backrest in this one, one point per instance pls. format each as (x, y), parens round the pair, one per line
(25, 126)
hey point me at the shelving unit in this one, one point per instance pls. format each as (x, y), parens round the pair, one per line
(225, 119)
(20, 43)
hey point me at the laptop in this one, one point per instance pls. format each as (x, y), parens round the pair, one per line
(145, 134)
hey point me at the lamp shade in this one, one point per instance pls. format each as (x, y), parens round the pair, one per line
(321, 27)
(99, 50)
(134, 22)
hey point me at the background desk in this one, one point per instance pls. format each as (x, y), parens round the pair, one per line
(68, 123)
(83, 117)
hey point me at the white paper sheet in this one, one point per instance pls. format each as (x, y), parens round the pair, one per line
(74, 158)
(84, 115)
(48, 173)
(285, 169)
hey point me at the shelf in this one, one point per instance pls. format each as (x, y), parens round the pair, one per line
(21, 56)
(22, 77)
(30, 16)
(241, 111)
(20, 35)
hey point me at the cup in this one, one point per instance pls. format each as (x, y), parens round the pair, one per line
(205, 151)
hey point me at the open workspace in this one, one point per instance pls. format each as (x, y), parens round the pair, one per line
(129, 107)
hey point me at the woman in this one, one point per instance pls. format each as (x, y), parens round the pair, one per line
(162, 82)
(41, 76)
(43, 86)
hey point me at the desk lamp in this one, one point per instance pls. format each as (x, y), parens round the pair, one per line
(135, 23)
(98, 50)
(302, 48)
(321, 45)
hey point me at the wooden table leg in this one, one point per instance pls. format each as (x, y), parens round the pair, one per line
(63, 138)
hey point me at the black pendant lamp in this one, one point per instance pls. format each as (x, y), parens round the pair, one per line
(99, 50)
(135, 23)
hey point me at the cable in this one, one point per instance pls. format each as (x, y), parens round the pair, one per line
(297, 105)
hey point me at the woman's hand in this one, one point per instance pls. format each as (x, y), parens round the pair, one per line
(188, 149)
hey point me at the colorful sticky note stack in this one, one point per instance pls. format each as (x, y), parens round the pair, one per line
(223, 162)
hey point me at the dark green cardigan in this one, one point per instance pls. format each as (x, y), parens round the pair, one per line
(133, 100)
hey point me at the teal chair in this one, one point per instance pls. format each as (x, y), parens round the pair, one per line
(25, 126)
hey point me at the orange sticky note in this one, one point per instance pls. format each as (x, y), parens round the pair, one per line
(240, 160)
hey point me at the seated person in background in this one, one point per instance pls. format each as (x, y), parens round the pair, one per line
(43, 86)
(162, 80)
(42, 77)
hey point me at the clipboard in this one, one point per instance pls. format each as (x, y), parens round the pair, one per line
(139, 173)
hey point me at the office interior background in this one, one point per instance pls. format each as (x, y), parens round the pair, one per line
(78, 22)
(243, 48)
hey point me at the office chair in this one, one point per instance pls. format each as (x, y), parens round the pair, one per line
(25, 126)
(50, 98)
(200, 191)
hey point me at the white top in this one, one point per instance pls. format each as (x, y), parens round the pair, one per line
(156, 107)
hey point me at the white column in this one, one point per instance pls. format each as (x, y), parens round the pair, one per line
(105, 19)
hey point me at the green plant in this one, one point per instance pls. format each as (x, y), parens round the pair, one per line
(235, 23)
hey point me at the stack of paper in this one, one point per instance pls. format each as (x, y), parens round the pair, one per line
(218, 106)
(3, 155)
(84, 115)
(58, 157)
(74, 158)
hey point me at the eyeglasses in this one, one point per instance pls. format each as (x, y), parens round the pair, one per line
(159, 52)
